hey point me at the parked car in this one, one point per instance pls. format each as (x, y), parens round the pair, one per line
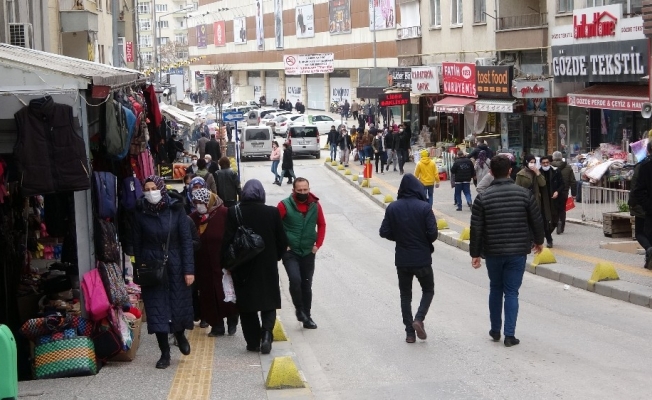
(304, 140)
(283, 122)
(256, 141)
(321, 121)
(256, 115)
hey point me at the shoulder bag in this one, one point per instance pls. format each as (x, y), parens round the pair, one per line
(246, 245)
(154, 272)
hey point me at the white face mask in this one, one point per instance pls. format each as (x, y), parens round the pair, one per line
(201, 208)
(194, 162)
(153, 196)
(546, 168)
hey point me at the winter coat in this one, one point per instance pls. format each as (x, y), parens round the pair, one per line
(568, 177)
(476, 152)
(411, 223)
(276, 154)
(332, 137)
(503, 218)
(426, 171)
(194, 233)
(480, 172)
(403, 142)
(287, 163)
(213, 149)
(208, 267)
(377, 144)
(201, 146)
(550, 206)
(257, 282)
(525, 178)
(636, 209)
(484, 183)
(168, 309)
(463, 170)
(389, 141)
(228, 185)
(355, 107)
(345, 142)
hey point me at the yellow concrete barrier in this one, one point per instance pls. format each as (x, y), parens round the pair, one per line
(375, 190)
(334, 163)
(279, 332)
(355, 178)
(283, 374)
(545, 257)
(466, 234)
(604, 271)
(327, 160)
(365, 183)
(340, 167)
(442, 224)
(347, 172)
(388, 199)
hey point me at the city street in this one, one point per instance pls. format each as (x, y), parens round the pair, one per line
(574, 344)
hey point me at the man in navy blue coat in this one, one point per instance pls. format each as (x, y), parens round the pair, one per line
(410, 223)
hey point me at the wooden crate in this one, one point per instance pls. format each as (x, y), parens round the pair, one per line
(617, 224)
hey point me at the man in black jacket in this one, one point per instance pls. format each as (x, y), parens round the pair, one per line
(463, 171)
(402, 145)
(550, 196)
(641, 198)
(503, 219)
(332, 140)
(346, 146)
(213, 149)
(411, 223)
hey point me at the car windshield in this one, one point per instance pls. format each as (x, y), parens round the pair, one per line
(257, 134)
(304, 132)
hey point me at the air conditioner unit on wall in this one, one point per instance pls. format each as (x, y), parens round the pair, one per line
(21, 35)
(485, 61)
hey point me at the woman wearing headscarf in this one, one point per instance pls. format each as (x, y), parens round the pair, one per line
(195, 183)
(256, 282)
(168, 306)
(210, 219)
(481, 167)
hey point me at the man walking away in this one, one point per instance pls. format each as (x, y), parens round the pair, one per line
(402, 145)
(641, 205)
(331, 140)
(463, 172)
(346, 145)
(305, 227)
(502, 221)
(228, 183)
(213, 149)
(355, 107)
(410, 223)
(201, 145)
(427, 173)
(568, 177)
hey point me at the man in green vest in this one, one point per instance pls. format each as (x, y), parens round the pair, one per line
(305, 226)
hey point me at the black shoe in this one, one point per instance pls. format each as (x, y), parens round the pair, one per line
(232, 329)
(410, 338)
(458, 209)
(309, 324)
(301, 316)
(511, 341)
(253, 348)
(203, 324)
(549, 245)
(559, 229)
(495, 335)
(216, 332)
(182, 342)
(563, 226)
(469, 204)
(266, 343)
(164, 361)
(648, 259)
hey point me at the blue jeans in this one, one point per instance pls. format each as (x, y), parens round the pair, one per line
(505, 278)
(459, 188)
(368, 153)
(333, 152)
(429, 192)
(275, 163)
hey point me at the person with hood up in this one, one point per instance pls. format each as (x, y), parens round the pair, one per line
(203, 173)
(256, 281)
(287, 167)
(570, 184)
(426, 172)
(210, 220)
(411, 223)
(169, 305)
(481, 167)
(332, 140)
(402, 145)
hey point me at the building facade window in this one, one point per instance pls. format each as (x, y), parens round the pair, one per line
(161, 8)
(145, 24)
(163, 40)
(182, 54)
(144, 8)
(435, 13)
(456, 12)
(145, 41)
(564, 6)
(630, 7)
(479, 10)
(147, 57)
(163, 24)
(181, 38)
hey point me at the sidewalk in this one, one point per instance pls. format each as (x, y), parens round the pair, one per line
(577, 250)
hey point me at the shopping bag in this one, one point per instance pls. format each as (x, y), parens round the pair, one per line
(570, 204)
(227, 285)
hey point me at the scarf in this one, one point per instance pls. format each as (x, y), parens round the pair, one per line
(165, 199)
(194, 181)
(212, 201)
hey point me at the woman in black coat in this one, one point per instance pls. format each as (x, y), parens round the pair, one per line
(168, 307)
(287, 165)
(256, 282)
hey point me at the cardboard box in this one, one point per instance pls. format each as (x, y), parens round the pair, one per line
(141, 307)
(130, 354)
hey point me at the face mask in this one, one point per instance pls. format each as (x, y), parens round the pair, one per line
(153, 196)
(546, 168)
(194, 162)
(201, 208)
(302, 197)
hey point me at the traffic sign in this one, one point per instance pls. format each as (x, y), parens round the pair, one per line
(233, 116)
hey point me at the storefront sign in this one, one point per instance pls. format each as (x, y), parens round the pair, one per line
(459, 79)
(494, 107)
(605, 102)
(587, 24)
(339, 17)
(394, 99)
(598, 25)
(201, 36)
(425, 80)
(129, 51)
(399, 77)
(531, 89)
(494, 81)
(219, 33)
(299, 64)
(601, 62)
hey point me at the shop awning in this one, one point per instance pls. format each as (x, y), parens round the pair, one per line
(176, 114)
(453, 105)
(608, 97)
(495, 106)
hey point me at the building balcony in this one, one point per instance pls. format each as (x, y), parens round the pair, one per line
(527, 31)
(408, 52)
(525, 21)
(411, 32)
(76, 16)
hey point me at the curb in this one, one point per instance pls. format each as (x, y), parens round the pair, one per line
(620, 290)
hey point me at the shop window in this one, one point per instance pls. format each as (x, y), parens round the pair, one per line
(578, 138)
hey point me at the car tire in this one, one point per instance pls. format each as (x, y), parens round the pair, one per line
(318, 155)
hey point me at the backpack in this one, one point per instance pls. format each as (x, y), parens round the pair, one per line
(131, 192)
(117, 137)
(106, 241)
(96, 301)
(105, 194)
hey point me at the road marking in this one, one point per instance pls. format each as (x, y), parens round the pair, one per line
(194, 374)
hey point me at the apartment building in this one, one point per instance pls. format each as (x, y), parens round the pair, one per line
(314, 51)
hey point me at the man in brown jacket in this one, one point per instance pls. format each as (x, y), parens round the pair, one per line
(355, 108)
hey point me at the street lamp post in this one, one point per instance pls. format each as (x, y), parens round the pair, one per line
(157, 45)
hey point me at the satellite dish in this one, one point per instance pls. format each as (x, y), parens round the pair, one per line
(646, 110)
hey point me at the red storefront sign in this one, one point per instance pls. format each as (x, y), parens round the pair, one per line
(459, 79)
(602, 25)
(129, 51)
(606, 102)
(219, 34)
(394, 99)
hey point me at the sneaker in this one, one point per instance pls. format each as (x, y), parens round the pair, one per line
(410, 338)
(419, 329)
(648, 258)
(495, 335)
(511, 341)
(469, 204)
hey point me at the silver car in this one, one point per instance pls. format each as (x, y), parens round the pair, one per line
(304, 140)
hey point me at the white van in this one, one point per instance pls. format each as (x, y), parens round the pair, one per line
(256, 141)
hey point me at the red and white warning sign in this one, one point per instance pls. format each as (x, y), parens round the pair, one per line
(299, 64)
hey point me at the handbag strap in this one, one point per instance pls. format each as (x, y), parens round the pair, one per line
(167, 244)
(238, 215)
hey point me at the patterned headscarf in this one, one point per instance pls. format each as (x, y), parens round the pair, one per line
(160, 185)
(202, 195)
(195, 181)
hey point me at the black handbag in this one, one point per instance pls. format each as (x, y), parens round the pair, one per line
(154, 272)
(246, 245)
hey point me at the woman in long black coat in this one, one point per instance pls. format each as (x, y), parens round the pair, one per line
(256, 282)
(168, 307)
(287, 165)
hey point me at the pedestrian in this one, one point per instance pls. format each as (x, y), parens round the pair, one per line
(229, 132)
(426, 172)
(481, 167)
(359, 145)
(367, 140)
(402, 147)
(549, 197)
(355, 108)
(210, 220)
(287, 166)
(228, 183)
(201, 144)
(281, 104)
(530, 177)
(276, 159)
(305, 227)
(463, 171)
(214, 149)
(169, 305)
(185, 193)
(174, 148)
(391, 142)
(411, 223)
(203, 173)
(378, 146)
(345, 110)
(570, 184)
(642, 224)
(346, 146)
(504, 205)
(256, 282)
(332, 139)
(482, 146)
(193, 168)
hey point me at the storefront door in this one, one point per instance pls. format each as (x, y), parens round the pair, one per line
(272, 88)
(316, 97)
(293, 89)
